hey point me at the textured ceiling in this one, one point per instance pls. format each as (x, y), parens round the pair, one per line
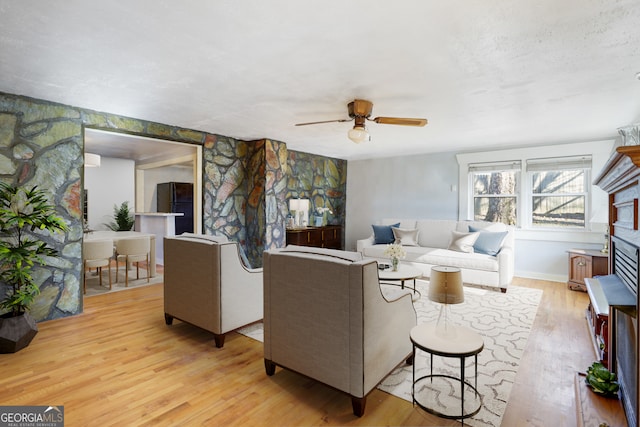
(485, 73)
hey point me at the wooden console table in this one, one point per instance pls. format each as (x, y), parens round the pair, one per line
(329, 236)
(585, 263)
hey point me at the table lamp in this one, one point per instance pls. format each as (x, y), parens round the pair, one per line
(445, 287)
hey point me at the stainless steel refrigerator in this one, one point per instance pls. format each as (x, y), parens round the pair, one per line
(177, 197)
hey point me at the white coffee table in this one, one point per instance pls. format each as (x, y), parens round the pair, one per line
(404, 273)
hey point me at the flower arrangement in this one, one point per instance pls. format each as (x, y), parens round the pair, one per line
(322, 210)
(395, 251)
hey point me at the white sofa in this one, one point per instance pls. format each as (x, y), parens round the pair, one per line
(434, 238)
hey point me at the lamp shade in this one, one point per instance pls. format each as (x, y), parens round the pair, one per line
(358, 134)
(445, 285)
(91, 160)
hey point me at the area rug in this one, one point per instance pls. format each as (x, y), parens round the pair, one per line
(503, 320)
(93, 281)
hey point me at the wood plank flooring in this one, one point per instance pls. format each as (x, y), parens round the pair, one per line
(118, 364)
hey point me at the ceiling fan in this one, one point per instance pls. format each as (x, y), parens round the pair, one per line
(360, 111)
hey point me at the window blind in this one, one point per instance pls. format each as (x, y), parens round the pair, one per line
(514, 165)
(559, 163)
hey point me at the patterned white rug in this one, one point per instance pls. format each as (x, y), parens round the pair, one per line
(503, 320)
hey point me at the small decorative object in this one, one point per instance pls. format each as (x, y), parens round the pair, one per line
(122, 218)
(22, 212)
(601, 380)
(605, 248)
(395, 251)
(322, 213)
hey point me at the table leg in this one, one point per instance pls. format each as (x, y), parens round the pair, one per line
(413, 383)
(462, 386)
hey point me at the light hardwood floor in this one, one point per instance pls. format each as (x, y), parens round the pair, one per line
(119, 364)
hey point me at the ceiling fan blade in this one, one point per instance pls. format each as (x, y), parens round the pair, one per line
(400, 121)
(324, 121)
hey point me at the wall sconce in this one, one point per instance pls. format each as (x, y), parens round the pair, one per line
(91, 160)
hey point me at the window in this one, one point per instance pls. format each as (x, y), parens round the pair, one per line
(495, 191)
(559, 191)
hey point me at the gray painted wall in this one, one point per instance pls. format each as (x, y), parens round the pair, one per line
(420, 186)
(399, 187)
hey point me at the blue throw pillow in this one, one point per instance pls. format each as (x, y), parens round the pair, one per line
(489, 242)
(383, 234)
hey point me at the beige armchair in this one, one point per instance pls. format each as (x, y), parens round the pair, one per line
(325, 317)
(207, 285)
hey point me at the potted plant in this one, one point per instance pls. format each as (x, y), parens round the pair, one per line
(22, 212)
(601, 380)
(122, 218)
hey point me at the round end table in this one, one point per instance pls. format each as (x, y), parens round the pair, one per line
(453, 341)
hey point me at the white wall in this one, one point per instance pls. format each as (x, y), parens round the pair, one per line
(420, 187)
(110, 184)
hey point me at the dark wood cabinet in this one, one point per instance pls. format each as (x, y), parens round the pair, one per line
(584, 263)
(329, 236)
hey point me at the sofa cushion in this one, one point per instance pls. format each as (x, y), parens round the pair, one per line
(463, 242)
(405, 237)
(382, 234)
(435, 233)
(488, 242)
(438, 256)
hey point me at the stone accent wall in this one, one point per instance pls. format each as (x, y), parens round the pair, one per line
(323, 180)
(246, 184)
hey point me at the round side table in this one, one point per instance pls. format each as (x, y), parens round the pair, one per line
(446, 341)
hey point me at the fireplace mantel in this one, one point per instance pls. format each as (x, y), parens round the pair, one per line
(620, 178)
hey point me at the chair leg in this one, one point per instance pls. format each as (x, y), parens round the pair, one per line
(99, 271)
(109, 275)
(126, 272)
(117, 269)
(358, 404)
(148, 268)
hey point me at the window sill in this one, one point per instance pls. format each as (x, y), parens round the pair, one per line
(577, 236)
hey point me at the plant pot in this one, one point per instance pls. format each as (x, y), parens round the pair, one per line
(16, 332)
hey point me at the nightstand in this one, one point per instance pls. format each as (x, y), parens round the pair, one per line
(584, 263)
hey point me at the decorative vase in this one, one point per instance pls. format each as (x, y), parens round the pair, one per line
(394, 264)
(16, 332)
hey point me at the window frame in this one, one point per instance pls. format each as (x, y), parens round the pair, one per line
(564, 163)
(597, 214)
(504, 166)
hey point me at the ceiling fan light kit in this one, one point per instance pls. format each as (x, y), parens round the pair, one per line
(359, 134)
(360, 111)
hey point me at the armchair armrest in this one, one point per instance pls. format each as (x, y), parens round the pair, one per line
(506, 266)
(364, 243)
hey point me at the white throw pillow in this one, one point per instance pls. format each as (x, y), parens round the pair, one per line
(463, 242)
(405, 237)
